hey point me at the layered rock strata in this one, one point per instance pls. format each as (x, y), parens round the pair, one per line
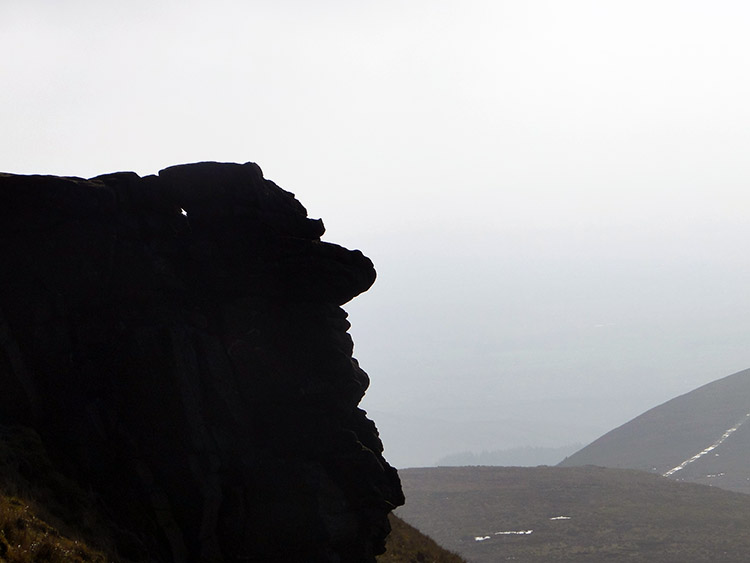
(178, 342)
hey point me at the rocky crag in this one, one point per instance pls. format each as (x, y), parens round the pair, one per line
(178, 342)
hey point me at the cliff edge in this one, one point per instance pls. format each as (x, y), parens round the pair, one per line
(178, 342)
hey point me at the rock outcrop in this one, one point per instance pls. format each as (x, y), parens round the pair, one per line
(179, 344)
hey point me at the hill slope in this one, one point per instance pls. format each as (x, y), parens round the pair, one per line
(576, 514)
(702, 437)
(406, 544)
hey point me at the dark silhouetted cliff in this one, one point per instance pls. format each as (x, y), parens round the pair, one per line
(177, 341)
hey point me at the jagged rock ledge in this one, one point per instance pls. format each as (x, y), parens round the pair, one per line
(177, 341)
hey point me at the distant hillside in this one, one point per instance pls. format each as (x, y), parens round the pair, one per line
(702, 437)
(575, 515)
(518, 457)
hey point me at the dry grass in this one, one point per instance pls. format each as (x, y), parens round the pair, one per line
(406, 544)
(26, 538)
(44, 516)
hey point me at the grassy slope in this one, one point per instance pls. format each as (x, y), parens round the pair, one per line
(615, 515)
(45, 517)
(406, 544)
(26, 538)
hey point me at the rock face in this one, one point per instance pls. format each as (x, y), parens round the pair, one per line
(178, 342)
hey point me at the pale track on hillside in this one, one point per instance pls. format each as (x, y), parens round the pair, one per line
(710, 448)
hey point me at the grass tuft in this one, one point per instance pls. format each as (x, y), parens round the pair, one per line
(26, 538)
(44, 516)
(406, 544)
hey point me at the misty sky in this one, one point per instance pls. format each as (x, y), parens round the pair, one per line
(554, 192)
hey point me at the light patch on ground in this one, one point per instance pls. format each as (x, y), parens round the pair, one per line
(505, 533)
(710, 448)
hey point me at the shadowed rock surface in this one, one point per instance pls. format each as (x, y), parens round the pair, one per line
(178, 342)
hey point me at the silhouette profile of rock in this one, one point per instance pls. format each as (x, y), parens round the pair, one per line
(177, 341)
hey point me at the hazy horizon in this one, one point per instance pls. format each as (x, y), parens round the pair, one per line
(553, 193)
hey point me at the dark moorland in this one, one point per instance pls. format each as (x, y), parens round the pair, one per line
(576, 514)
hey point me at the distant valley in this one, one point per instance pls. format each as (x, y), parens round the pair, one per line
(518, 457)
(651, 490)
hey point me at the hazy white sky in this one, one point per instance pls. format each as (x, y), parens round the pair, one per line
(553, 191)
